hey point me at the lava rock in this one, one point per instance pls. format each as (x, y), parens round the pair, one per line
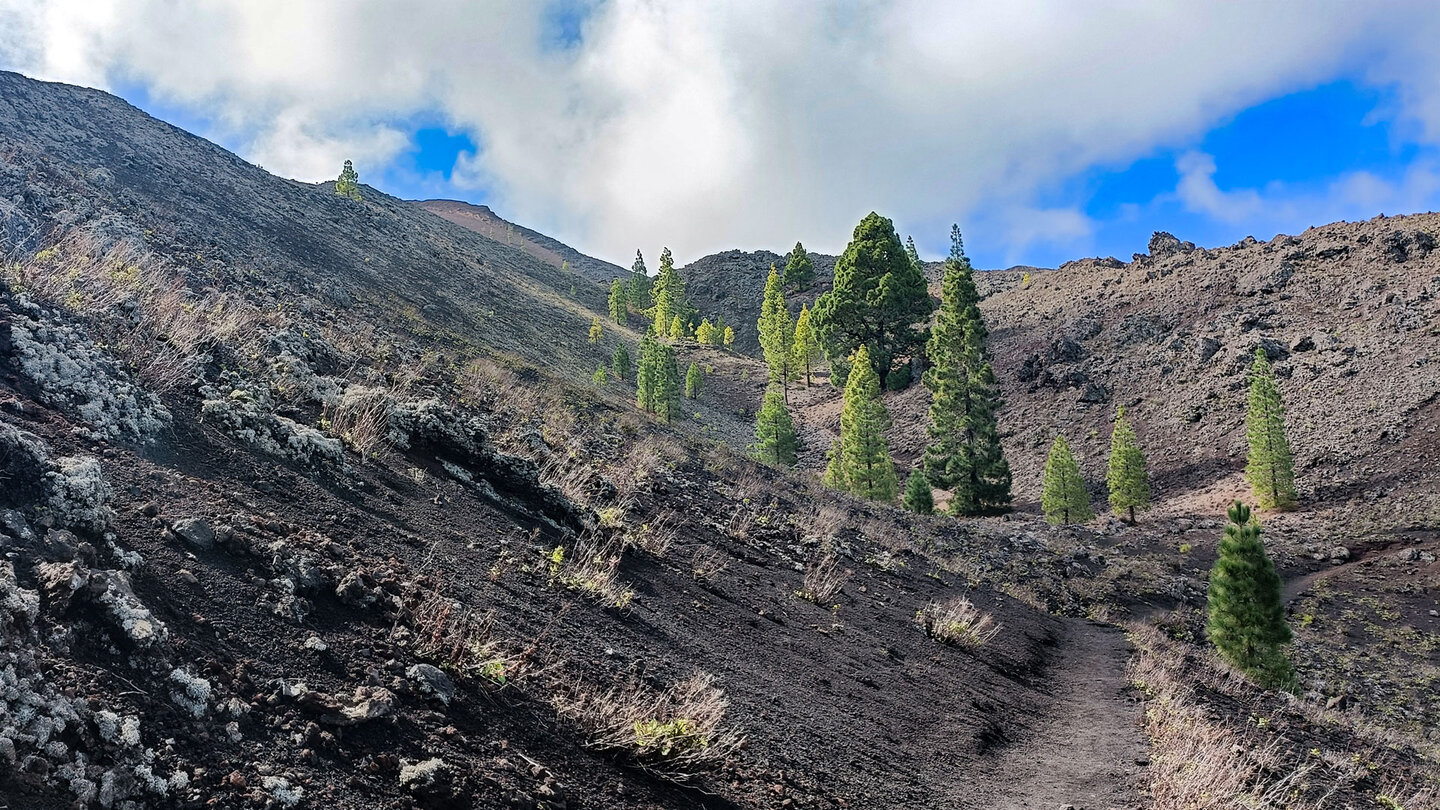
(431, 682)
(195, 532)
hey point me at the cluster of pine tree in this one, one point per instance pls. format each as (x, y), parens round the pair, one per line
(661, 301)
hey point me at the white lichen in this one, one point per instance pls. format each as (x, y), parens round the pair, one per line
(282, 792)
(78, 496)
(83, 380)
(191, 692)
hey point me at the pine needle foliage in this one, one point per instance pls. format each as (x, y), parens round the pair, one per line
(694, 379)
(964, 454)
(668, 293)
(799, 268)
(1246, 621)
(657, 386)
(878, 298)
(596, 331)
(805, 348)
(1269, 467)
(1064, 496)
(348, 184)
(618, 301)
(1126, 475)
(918, 497)
(775, 439)
(620, 362)
(860, 459)
(777, 334)
(728, 337)
(638, 289)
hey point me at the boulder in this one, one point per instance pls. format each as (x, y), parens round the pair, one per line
(431, 682)
(429, 779)
(195, 532)
(1163, 244)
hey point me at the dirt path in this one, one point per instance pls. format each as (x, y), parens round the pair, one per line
(1084, 752)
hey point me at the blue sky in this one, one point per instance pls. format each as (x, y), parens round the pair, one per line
(1049, 130)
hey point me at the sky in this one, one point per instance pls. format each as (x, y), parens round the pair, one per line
(1048, 129)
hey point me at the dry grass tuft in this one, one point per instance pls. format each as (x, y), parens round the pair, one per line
(362, 419)
(958, 621)
(821, 524)
(592, 568)
(823, 579)
(675, 734)
(707, 564)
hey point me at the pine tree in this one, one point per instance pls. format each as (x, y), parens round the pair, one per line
(694, 378)
(964, 454)
(705, 333)
(878, 297)
(677, 328)
(348, 184)
(860, 459)
(777, 335)
(775, 440)
(799, 268)
(1064, 496)
(620, 363)
(1127, 477)
(1246, 612)
(619, 298)
(918, 497)
(914, 255)
(596, 332)
(668, 292)
(646, 375)
(1269, 467)
(728, 338)
(638, 290)
(667, 383)
(805, 346)
(600, 375)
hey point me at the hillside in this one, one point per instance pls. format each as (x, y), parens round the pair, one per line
(480, 219)
(313, 502)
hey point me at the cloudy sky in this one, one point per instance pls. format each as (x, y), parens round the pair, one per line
(1048, 129)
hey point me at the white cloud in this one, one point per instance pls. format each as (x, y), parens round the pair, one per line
(710, 125)
(1287, 208)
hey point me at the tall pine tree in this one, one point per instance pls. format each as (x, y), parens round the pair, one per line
(1246, 612)
(878, 298)
(620, 363)
(777, 335)
(964, 454)
(669, 294)
(619, 299)
(860, 459)
(646, 394)
(639, 287)
(1064, 496)
(1269, 467)
(775, 440)
(799, 268)
(596, 330)
(658, 380)
(1126, 475)
(805, 346)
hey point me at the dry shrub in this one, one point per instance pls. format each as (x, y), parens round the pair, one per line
(707, 564)
(142, 306)
(461, 640)
(570, 474)
(957, 621)
(822, 523)
(645, 457)
(362, 418)
(1199, 762)
(675, 734)
(657, 536)
(823, 579)
(592, 568)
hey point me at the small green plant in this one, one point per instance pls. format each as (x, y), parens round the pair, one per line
(1185, 548)
(556, 560)
(1388, 803)
(665, 738)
